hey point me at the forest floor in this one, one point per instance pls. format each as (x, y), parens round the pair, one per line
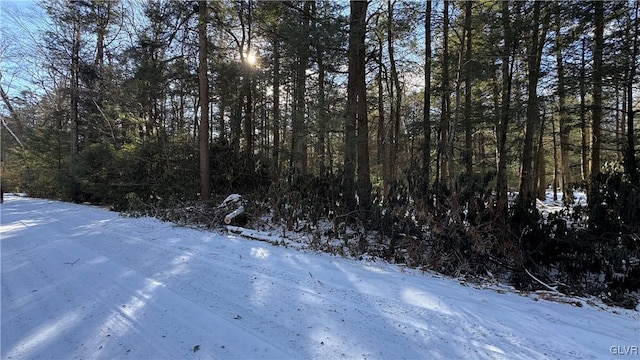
(82, 282)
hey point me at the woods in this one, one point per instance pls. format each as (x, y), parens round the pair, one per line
(424, 132)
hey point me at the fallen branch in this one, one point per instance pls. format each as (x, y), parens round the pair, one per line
(554, 289)
(253, 234)
(234, 214)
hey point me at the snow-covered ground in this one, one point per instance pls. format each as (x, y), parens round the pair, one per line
(549, 205)
(82, 282)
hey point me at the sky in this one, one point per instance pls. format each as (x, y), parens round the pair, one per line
(20, 21)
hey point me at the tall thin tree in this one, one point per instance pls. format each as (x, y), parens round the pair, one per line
(565, 129)
(442, 155)
(203, 80)
(504, 113)
(299, 136)
(630, 149)
(537, 39)
(584, 148)
(75, 84)
(356, 143)
(596, 119)
(467, 157)
(426, 122)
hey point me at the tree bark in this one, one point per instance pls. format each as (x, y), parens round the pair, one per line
(395, 94)
(583, 116)
(355, 151)
(541, 169)
(630, 153)
(276, 104)
(203, 79)
(426, 122)
(565, 129)
(322, 118)
(467, 157)
(503, 121)
(364, 176)
(298, 139)
(527, 175)
(442, 153)
(248, 87)
(75, 87)
(596, 122)
(323, 111)
(556, 167)
(383, 152)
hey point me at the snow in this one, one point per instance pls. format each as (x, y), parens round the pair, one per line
(82, 282)
(549, 205)
(233, 198)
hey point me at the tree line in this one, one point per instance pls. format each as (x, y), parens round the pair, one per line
(399, 116)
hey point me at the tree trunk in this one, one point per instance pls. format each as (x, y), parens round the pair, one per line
(298, 140)
(442, 154)
(456, 121)
(203, 131)
(103, 10)
(356, 143)
(247, 88)
(276, 105)
(583, 116)
(395, 95)
(630, 153)
(383, 152)
(221, 116)
(247, 84)
(527, 175)
(323, 111)
(75, 91)
(503, 122)
(541, 169)
(350, 119)
(556, 168)
(596, 133)
(565, 129)
(322, 119)
(364, 177)
(236, 122)
(426, 123)
(467, 157)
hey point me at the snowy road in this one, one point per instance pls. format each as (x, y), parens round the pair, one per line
(82, 282)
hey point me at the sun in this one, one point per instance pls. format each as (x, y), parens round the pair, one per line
(251, 58)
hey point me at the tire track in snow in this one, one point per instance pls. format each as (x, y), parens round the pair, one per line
(306, 287)
(197, 288)
(246, 269)
(63, 250)
(366, 307)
